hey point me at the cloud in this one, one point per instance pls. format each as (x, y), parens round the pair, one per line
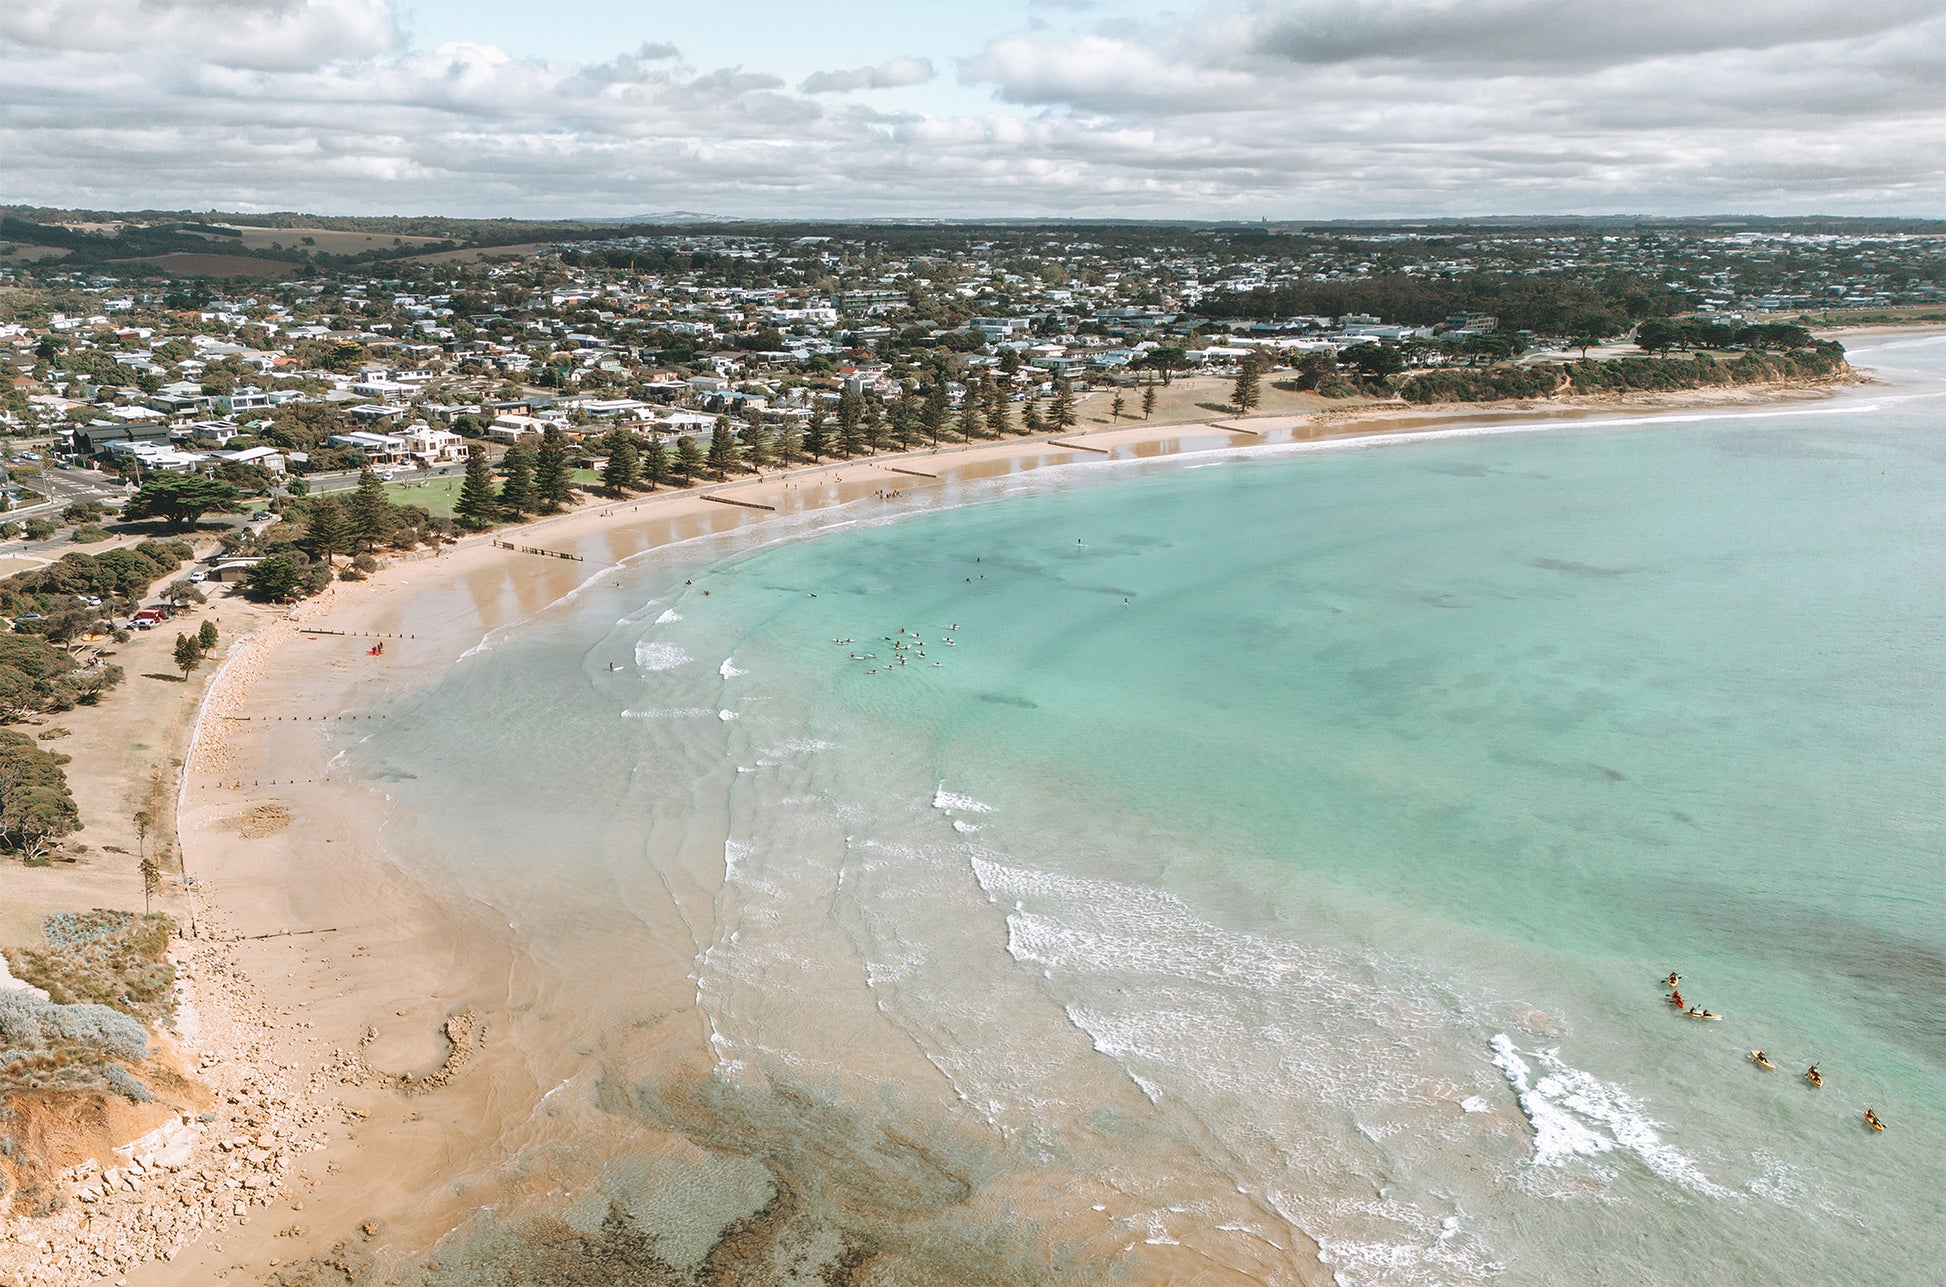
(268, 34)
(896, 74)
(1291, 109)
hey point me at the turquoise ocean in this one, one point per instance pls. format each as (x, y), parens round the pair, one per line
(1267, 858)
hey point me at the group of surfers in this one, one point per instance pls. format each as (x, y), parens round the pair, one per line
(1757, 1057)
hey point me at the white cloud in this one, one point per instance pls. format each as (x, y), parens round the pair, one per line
(896, 74)
(1294, 108)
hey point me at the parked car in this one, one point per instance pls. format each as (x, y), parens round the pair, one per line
(199, 575)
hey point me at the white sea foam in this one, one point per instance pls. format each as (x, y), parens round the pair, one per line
(668, 615)
(964, 827)
(1575, 1113)
(729, 670)
(653, 655)
(672, 712)
(1474, 1104)
(726, 716)
(950, 800)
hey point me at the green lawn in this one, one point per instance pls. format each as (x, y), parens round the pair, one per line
(436, 496)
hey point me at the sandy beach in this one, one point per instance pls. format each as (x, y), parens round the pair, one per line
(361, 1034)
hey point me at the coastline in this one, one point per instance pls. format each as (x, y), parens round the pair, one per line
(367, 966)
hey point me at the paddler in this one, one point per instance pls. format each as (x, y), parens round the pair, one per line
(1675, 999)
(1811, 1075)
(1673, 980)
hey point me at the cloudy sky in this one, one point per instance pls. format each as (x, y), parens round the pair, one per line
(1245, 109)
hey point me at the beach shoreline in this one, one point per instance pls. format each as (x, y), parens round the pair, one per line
(375, 964)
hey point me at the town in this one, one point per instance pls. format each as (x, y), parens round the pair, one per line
(697, 352)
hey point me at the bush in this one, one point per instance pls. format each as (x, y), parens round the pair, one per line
(113, 960)
(89, 535)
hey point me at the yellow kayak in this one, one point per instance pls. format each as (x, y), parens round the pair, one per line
(1757, 1057)
(1871, 1120)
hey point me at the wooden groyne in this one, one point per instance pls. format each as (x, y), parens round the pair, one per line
(915, 473)
(726, 500)
(535, 549)
(1076, 446)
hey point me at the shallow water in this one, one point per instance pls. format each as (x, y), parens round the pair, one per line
(1252, 856)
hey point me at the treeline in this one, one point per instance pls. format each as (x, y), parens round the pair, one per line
(36, 806)
(52, 601)
(298, 556)
(1621, 375)
(1600, 306)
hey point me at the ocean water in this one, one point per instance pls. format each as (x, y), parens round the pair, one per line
(1258, 865)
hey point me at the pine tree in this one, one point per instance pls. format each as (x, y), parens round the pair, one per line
(1249, 387)
(1148, 402)
(1063, 413)
(933, 414)
(655, 463)
(478, 507)
(327, 529)
(1116, 408)
(972, 411)
(757, 448)
(1030, 417)
(553, 481)
(372, 514)
(851, 415)
(188, 655)
(518, 494)
(723, 454)
(623, 472)
(790, 443)
(689, 458)
(851, 438)
(206, 637)
(1000, 416)
(815, 446)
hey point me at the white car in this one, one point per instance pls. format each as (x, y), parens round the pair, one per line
(199, 575)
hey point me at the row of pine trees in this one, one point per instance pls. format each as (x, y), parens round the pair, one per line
(537, 476)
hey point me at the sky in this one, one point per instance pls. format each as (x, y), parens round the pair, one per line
(1245, 109)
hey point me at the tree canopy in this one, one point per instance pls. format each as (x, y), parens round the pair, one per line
(181, 498)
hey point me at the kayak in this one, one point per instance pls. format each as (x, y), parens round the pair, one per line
(1871, 1120)
(1757, 1058)
(1691, 1014)
(1814, 1079)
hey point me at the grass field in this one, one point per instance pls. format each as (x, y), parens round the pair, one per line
(436, 496)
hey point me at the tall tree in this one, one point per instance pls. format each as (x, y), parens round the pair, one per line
(851, 415)
(932, 416)
(519, 495)
(655, 463)
(206, 637)
(371, 513)
(189, 655)
(623, 472)
(1030, 418)
(1000, 415)
(553, 479)
(181, 498)
(479, 506)
(328, 529)
(1063, 414)
(1116, 407)
(723, 454)
(689, 458)
(815, 446)
(972, 409)
(1249, 386)
(1148, 402)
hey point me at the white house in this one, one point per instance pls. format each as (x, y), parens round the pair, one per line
(511, 428)
(431, 446)
(379, 448)
(268, 457)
